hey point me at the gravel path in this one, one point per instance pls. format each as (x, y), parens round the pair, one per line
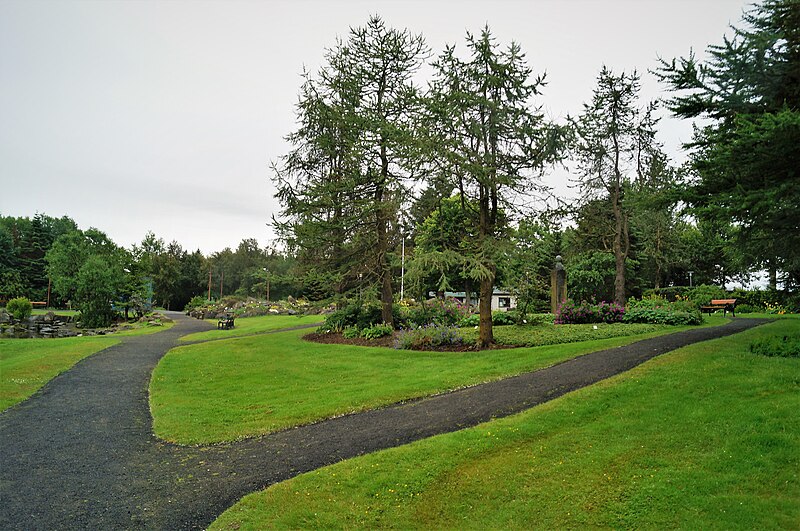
(80, 453)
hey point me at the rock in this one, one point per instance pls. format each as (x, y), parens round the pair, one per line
(292, 312)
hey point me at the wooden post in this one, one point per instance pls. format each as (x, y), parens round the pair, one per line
(209, 284)
(49, 280)
(221, 280)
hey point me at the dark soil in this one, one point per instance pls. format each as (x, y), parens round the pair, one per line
(80, 453)
(339, 339)
(389, 341)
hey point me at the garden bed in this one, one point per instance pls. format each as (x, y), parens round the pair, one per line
(512, 336)
(389, 341)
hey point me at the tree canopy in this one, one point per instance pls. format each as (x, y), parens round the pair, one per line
(745, 158)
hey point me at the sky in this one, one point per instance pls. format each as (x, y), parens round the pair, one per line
(164, 116)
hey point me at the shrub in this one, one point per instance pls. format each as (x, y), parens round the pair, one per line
(196, 302)
(350, 332)
(785, 347)
(360, 316)
(539, 319)
(446, 313)
(776, 309)
(500, 318)
(747, 308)
(670, 293)
(583, 313)
(703, 294)
(428, 336)
(470, 321)
(20, 308)
(662, 316)
(376, 331)
(353, 315)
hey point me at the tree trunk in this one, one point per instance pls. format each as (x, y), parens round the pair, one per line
(384, 271)
(486, 335)
(621, 244)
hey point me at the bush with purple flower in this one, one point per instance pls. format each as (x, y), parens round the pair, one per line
(585, 313)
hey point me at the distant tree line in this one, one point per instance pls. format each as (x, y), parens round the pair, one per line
(44, 256)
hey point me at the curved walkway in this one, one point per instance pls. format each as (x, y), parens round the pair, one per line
(80, 453)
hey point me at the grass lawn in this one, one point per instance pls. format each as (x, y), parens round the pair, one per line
(550, 334)
(27, 364)
(226, 390)
(706, 437)
(39, 311)
(253, 325)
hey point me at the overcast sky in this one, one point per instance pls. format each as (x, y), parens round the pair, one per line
(165, 116)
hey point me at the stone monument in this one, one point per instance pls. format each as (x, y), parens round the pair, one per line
(558, 285)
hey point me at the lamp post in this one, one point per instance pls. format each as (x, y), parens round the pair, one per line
(690, 278)
(402, 267)
(266, 271)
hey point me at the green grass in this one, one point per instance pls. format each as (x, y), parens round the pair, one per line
(226, 390)
(550, 334)
(27, 364)
(38, 311)
(254, 325)
(706, 437)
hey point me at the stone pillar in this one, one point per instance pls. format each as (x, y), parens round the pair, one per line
(558, 285)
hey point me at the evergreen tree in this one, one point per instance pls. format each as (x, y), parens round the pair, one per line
(490, 141)
(341, 185)
(745, 157)
(615, 139)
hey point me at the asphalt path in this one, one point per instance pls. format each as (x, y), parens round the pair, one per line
(80, 453)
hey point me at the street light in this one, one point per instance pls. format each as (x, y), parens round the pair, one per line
(690, 278)
(267, 273)
(403, 267)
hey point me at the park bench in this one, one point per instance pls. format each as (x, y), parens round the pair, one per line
(720, 304)
(225, 322)
(37, 304)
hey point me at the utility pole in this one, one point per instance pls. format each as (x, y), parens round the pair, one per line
(403, 267)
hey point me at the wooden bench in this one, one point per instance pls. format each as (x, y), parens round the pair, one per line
(225, 322)
(720, 304)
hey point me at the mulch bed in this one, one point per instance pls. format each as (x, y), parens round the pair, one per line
(388, 341)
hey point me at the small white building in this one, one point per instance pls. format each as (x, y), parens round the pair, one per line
(501, 300)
